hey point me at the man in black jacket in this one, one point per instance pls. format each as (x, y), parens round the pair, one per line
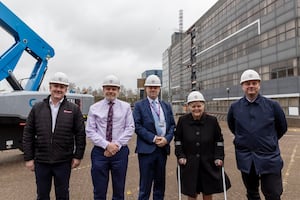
(54, 140)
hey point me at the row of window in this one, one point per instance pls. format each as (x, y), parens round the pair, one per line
(222, 106)
(276, 70)
(225, 11)
(279, 34)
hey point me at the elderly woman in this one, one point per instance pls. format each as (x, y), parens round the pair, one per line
(199, 149)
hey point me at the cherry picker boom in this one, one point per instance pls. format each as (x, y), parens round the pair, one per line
(16, 105)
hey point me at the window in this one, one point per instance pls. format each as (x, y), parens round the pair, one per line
(282, 69)
(281, 37)
(290, 25)
(282, 73)
(290, 34)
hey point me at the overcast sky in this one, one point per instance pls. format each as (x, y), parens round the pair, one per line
(95, 38)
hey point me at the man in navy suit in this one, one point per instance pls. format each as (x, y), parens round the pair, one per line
(154, 126)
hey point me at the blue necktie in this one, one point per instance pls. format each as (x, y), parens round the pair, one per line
(156, 114)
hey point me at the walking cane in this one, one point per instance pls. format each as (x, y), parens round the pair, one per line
(224, 183)
(179, 182)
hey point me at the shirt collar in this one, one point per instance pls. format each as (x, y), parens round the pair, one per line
(150, 100)
(256, 100)
(51, 102)
(107, 101)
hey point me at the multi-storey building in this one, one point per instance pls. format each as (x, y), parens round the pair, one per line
(232, 36)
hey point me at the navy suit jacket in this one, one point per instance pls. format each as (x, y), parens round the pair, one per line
(145, 126)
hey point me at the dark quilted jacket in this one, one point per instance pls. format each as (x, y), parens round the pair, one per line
(66, 142)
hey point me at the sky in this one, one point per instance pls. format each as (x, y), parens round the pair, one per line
(96, 38)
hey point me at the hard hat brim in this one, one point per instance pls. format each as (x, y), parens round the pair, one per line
(254, 79)
(146, 85)
(196, 100)
(111, 85)
(59, 82)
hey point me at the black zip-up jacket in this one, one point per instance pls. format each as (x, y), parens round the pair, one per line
(65, 143)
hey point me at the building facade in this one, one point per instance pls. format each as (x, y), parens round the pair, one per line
(232, 36)
(165, 89)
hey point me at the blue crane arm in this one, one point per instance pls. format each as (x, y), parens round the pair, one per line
(25, 40)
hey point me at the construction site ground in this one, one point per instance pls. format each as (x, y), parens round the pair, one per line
(18, 183)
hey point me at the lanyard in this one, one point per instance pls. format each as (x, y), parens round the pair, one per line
(157, 111)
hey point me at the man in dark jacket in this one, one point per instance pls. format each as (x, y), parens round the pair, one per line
(54, 140)
(258, 123)
(154, 126)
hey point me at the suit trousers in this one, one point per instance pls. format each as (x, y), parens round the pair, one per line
(271, 185)
(44, 173)
(152, 170)
(102, 165)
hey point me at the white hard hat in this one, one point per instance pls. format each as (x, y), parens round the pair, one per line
(111, 80)
(152, 80)
(195, 96)
(249, 75)
(60, 78)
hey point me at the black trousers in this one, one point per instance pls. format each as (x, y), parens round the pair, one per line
(60, 172)
(271, 185)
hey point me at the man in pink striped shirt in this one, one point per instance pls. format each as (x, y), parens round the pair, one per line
(110, 126)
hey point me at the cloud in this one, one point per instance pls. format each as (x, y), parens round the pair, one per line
(95, 38)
